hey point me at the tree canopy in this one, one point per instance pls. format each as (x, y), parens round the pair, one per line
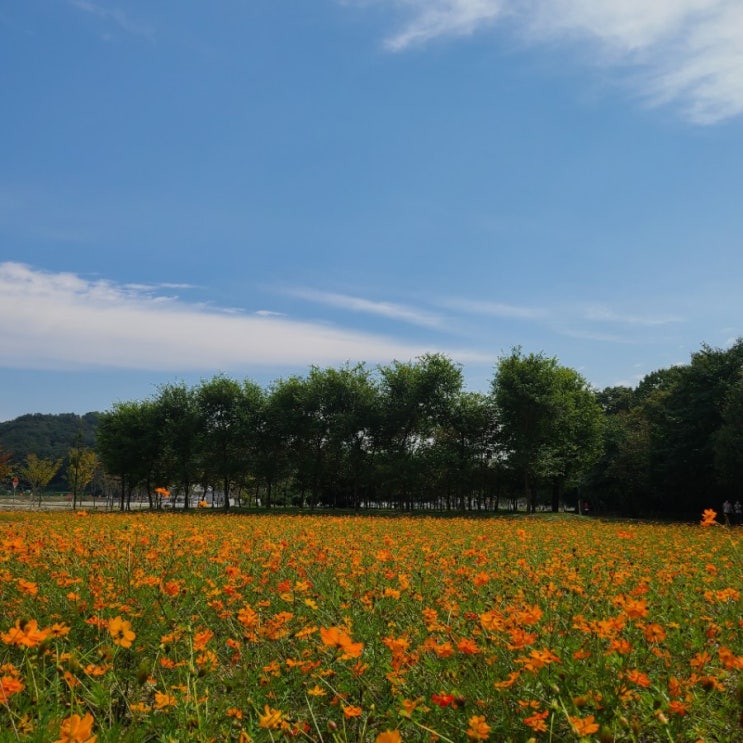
(409, 436)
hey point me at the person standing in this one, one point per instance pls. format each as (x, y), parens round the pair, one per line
(727, 511)
(738, 511)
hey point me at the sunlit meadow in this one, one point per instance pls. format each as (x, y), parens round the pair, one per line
(212, 627)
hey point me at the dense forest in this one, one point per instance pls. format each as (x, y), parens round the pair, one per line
(48, 436)
(408, 436)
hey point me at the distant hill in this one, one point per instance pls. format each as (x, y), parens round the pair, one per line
(47, 436)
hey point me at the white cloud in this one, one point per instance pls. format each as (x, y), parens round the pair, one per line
(432, 18)
(64, 321)
(685, 52)
(358, 304)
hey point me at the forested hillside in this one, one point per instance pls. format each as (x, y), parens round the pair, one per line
(47, 436)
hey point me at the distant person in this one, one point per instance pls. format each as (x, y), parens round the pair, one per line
(727, 511)
(738, 510)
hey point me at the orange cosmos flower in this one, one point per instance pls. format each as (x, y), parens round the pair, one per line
(639, 678)
(708, 517)
(478, 729)
(467, 646)
(201, 639)
(26, 634)
(27, 586)
(584, 726)
(76, 729)
(635, 609)
(536, 721)
(121, 632)
(352, 711)
(508, 682)
(163, 701)
(271, 719)
(389, 736)
(339, 638)
(9, 685)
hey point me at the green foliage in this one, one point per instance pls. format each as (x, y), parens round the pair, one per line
(550, 424)
(47, 436)
(407, 435)
(37, 473)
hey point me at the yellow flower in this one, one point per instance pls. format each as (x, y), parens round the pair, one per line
(271, 719)
(584, 726)
(478, 729)
(75, 729)
(162, 701)
(121, 631)
(389, 736)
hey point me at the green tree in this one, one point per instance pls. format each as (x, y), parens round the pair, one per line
(178, 413)
(688, 448)
(129, 444)
(728, 440)
(38, 473)
(415, 399)
(81, 466)
(226, 414)
(549, 422)
(461, 456)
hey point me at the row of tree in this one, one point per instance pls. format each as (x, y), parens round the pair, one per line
(405, 436)
(409, 436)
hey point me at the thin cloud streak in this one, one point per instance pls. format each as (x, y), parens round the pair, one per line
(683, 52)
(599, 313)
(494, 309)
(63, 321)
(358, 304)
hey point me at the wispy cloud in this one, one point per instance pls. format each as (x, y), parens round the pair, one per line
(116, 16)
(600, 313)
(585, 321)
(494, 309)
(65, 321)
(684, 52)
(404, 313)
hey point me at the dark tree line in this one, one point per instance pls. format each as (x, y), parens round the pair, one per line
(674, 444)
(402, 436)
(409, 436)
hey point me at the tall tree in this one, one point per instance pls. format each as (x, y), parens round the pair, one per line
(550, 423)
(81, 466)
(181, 424)
(129, 443)
(222, 406)
(415, 398)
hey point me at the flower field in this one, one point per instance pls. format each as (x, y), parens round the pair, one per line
(210, 627)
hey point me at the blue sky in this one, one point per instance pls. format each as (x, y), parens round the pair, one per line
(255, 186)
